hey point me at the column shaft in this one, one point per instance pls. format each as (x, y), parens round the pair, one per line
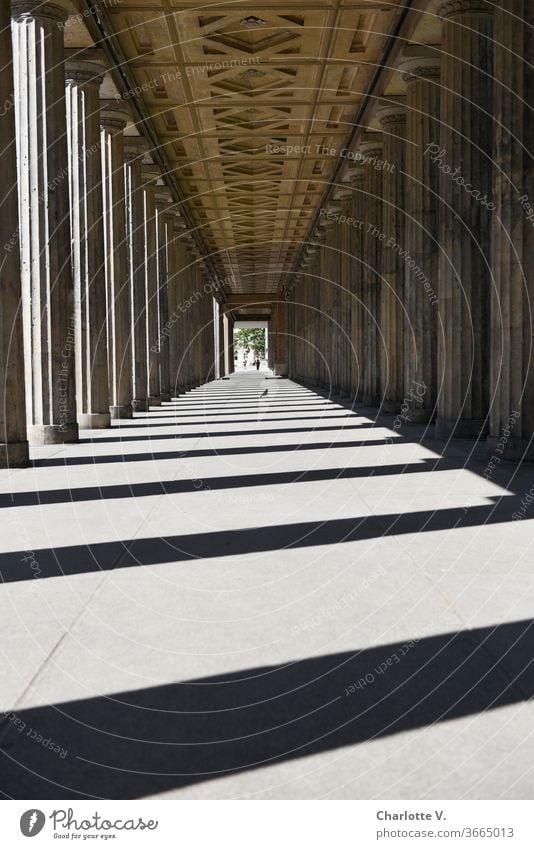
(13, 441)
(356, 234)
(151, 286)
(464, 159)
(422, 238)
(393, 121)
(371, 151)
(45, 239)
(84, 75)
(512, 369)
(119, 317)
(163, 238)
(134, 150)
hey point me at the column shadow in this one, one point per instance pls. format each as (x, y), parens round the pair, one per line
(132, 744)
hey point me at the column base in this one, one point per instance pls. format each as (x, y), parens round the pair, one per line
(166, 396)
(123, 411)
(389, 406)
(14, 454)
(94, 421)
(140, 405)
(460, 428)
(154, 400)
(511, 449)
(369, 400)
(418, 415)
(53, 434)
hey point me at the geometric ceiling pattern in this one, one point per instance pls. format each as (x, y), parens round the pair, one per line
(251, 106)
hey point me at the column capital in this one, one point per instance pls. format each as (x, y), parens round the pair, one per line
(163, 197)
(420, 68)
(391, 110)
(150, 174)
(371, 144)
(169, 216)
(135, 148)
(57, 10)
(85, 66)
(453, 8)
(114, 115)
(356, 174)
(332, 209)
(341, 192)
(179, 224)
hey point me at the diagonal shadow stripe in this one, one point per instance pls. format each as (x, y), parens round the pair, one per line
(149, 551)
(143, 437)
(188, 485)
(93, 459)
(141, 742)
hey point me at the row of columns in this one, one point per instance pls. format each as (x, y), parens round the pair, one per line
(96, 267)
(431, 230)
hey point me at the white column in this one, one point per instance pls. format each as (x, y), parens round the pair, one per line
(113, 119)
(84, 75)
(150, 176)
(135, 149)
(164, 236)
(13, 442)
(47, 289)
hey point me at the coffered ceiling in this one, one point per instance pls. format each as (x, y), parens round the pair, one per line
(252, 106)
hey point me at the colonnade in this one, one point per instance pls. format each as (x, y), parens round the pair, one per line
(413, 293)
(419, 272)
(104, 304)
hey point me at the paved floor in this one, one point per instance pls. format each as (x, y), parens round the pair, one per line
(268, 596)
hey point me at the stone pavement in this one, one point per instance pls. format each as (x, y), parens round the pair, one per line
(278, 597)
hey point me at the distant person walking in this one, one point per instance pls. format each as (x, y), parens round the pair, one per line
(257, 365)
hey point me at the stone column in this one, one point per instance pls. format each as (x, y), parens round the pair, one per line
(135, 149)
(373, 237)
(186, 324)
(392, 117)
(84, 75)
(279, 321)
(312, 328)
(150, 175)
(178, 341)
(463, 155)
(512, 367)
(324, 307)
(228, 341)
(219, 336)
(13, 441)
(357, 268)
(174, 228)
(47, 290)
(164, 221)
(422, 76)
(113, 119)
(343, 195)
(332, 272)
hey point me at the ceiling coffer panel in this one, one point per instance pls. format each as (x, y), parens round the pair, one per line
(250, 106)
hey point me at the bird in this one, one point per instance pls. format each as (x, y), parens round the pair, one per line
(265, 391)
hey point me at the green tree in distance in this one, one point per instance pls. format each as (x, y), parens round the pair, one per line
(252, 339)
